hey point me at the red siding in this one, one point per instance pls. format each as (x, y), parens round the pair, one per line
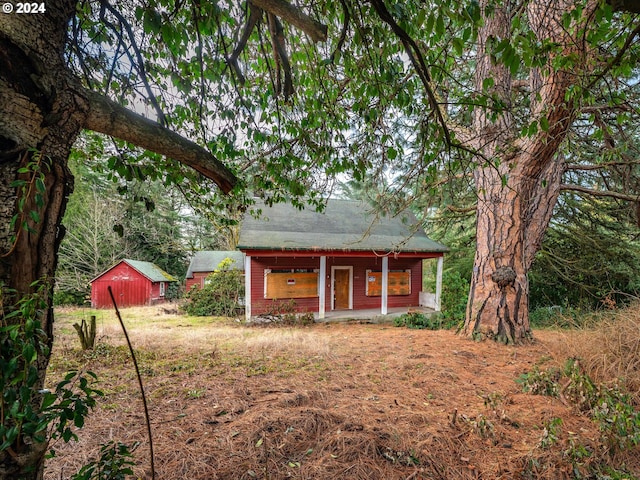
(130, 288)
(360, 265)
(198, 279)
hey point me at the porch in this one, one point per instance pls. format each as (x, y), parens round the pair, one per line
(372, 315)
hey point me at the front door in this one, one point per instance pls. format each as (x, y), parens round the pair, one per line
(341, 288)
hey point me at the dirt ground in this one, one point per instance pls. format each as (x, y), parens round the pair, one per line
(330, 401)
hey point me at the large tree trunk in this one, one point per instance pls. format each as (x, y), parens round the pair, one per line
(517, 179)
(41, 118)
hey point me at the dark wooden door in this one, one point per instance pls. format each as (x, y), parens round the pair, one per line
(341, 289)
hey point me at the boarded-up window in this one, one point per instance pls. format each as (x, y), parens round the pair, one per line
(294, 284)
(398, 283)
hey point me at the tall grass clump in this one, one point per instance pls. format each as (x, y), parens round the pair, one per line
(609, 348)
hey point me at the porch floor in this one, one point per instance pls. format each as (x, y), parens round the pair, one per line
(372, 315)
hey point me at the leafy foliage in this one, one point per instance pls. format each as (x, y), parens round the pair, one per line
(221, 295)
(613, 409)
(589, 258)
(419, 321)
(115, 463)
(29, 414)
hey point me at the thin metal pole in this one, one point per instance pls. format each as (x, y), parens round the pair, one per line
(144, 397)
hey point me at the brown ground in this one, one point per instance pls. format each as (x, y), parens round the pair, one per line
(335, 401)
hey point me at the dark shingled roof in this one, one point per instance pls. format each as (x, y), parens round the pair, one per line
(344, 225)
(208, 261)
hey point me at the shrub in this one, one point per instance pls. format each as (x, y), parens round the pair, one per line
(221, 295)
(420, 321)
(612, 408)
(70, 296)
(286, 313)
(455, 291)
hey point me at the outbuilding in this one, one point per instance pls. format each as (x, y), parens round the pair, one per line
(133, 283)
(345, 258)
(205, 262)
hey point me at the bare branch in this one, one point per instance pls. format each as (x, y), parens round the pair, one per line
(255, 13)
(600, 193)
(599, 166)
(106, 116)
(296, 17)
(281, 57)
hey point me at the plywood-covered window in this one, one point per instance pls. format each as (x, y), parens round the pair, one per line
(398, 283)
(294, 283)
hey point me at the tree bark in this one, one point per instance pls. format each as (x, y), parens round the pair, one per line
(517, 179)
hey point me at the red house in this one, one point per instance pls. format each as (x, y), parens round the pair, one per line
(206, 262)
(133, 283)
(345, 258)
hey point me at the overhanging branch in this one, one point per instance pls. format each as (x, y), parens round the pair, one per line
(600, 166)
(296, 17)
(108, 117)
(600, 193)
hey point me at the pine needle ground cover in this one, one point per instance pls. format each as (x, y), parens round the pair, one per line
(339, 401)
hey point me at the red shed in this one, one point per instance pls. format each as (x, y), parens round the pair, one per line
(346, 258)
(133, 283)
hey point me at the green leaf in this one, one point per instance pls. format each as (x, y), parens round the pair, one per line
(29, 353)
(544, 124)
(40, 185)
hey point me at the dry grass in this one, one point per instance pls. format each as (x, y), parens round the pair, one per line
(323, 402)
(609, 350)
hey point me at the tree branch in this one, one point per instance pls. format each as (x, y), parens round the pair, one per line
(600, 193)
(632, 6)
(108, 117)
(600, 166)
(296, 17)
(343, 33)
(617, 59)
(255, 13)
(413, 51)
(139, 65)
(280, 55)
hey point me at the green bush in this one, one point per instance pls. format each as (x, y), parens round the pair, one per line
(556, 316)
(75, 297)
(420, 321)
(222, 294)
(455, 292)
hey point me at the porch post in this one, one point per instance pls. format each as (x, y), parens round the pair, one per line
(247, 287)
(385, 284)
(439, 283)
(322, 286)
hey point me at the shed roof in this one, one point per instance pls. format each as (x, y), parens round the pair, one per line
(208, 261)
(344, 225)
(147, 269)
